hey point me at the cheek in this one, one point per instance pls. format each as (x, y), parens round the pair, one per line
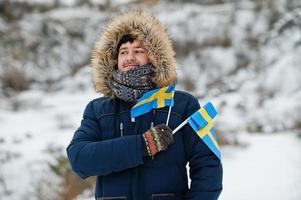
(144, 60)
(119, 62)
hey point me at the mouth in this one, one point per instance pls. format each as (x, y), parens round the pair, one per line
(130, 66)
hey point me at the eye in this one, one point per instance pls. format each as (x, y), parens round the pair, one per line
(122, 52)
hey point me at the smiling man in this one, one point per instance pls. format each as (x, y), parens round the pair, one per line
(140, 159)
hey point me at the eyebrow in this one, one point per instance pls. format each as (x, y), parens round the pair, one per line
(138, 47)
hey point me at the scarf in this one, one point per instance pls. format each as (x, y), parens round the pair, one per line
(130, 85)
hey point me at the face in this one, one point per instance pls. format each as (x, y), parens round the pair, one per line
(131, 55)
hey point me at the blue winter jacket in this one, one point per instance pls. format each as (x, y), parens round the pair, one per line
(108, 144)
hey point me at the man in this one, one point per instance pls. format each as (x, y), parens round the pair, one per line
(139, 158)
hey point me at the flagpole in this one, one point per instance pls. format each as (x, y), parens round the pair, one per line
(169, 111)
(180, 126)
(168, 116)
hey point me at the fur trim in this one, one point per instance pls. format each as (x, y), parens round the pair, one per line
(150, 32)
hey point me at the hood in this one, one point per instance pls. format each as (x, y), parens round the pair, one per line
(155, 39)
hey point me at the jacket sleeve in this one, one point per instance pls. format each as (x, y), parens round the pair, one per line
(205, 168)
(89, 156)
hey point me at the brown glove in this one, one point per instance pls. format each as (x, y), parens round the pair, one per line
(157, 139)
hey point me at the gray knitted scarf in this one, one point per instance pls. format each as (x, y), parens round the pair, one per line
(132, 84)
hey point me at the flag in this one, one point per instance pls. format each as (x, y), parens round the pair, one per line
(202, 123)
(156, 98)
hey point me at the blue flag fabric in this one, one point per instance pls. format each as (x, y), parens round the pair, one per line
(154, 99)
(202, 123)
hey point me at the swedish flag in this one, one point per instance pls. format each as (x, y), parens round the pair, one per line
(202, 124)
(156, 98)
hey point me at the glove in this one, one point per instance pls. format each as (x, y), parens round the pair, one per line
(157, 139)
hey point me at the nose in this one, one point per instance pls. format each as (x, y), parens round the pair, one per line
(130, 57)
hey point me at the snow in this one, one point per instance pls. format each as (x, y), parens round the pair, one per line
(265, 167)
(74, 2)
(73, 13)
(43, 121)
(44, 130)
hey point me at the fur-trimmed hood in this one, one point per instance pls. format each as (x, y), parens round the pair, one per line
(155, 39)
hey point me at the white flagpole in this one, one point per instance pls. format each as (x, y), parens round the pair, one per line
(168, 116)
(169, 111)
(180, 126)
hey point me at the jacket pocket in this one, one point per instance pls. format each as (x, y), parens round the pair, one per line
(167, 196)
(111, 198)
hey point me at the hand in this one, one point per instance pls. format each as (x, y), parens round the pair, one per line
(157, 139)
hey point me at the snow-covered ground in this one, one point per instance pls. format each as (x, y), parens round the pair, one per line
(267, 167)
(41, 127)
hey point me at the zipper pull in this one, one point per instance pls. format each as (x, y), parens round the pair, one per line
(121, 129)
(133, 119)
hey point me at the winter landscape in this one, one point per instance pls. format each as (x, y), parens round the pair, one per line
(243, 56)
